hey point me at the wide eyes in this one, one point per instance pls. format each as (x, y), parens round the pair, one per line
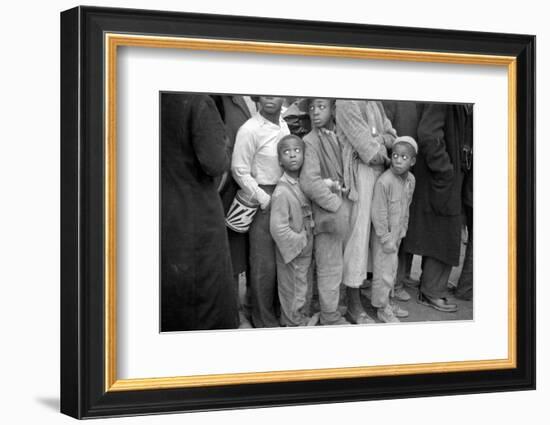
(396, 156)
(296, 150)
(321, 107)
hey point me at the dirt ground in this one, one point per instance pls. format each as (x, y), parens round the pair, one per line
(417, 312)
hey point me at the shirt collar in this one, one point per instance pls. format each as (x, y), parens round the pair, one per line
(264, 121)
(289, 179)
(328, 132)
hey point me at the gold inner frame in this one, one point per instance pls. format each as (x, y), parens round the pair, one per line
(113, 41)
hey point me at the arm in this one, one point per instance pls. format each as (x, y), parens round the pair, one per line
(289, 243)
(388, 133)
(313, 185)
(357, 131)
(409, 200)
(380, 211)
(241, 166)
(208, 138)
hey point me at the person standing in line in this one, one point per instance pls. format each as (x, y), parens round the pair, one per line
(435, 227)
(366, 135)
(390, 217)
(465, 287)
(404, 116)
(291, 226)
(255, 168)
(235, 110)
(197, 291)
(322, 180)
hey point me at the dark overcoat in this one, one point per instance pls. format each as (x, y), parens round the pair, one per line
(196, 276)
(435, 221)
(404, 116)
(235, 113)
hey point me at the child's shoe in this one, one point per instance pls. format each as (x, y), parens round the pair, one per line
(386, 315)
(398, 311)
(401, 295)
(313, 320)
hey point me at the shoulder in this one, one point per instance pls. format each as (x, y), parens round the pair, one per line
(202, 103)
(386, 177)
(249, 126)
(281, 192)
(284, 126)
(311, 138)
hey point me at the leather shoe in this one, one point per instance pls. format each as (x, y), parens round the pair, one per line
(440, 304)
(360, 319)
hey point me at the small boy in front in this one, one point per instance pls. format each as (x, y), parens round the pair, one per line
(390, 218)
(291, 228)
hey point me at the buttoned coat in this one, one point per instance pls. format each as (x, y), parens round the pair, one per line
(435, 221)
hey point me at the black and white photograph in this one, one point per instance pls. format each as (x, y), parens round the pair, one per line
(284, 211)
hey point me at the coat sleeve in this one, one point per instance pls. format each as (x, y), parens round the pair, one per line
(432, 146)
(208, 138)
(357, 131)
(312, 183)
(241, 165)
(388, 133)
(380, 210)
(289, 243)
(409, 200)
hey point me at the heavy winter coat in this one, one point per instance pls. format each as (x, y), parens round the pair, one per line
(197, 289)
(436, 211)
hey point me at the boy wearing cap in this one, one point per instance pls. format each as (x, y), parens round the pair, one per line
(390, 217)
(291, 227)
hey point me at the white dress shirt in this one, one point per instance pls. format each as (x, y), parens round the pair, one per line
(255, 159)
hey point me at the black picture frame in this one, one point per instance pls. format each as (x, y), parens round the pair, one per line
(83, 393)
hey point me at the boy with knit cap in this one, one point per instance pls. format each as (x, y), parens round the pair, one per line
(390, 217)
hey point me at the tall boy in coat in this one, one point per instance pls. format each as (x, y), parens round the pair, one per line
(322, 180)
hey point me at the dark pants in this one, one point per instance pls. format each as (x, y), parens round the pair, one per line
(404, 266)
(263, 269)
(465, 285)
(434, 278)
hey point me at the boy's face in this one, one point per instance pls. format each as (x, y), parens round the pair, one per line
(291, 154)
(402, 158)
(271, 105)
(320, 112)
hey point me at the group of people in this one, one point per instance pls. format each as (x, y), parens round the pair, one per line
(342, 190)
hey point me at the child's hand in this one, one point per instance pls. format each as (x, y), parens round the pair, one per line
(385, 238)
(266, 203)
(329, 183)
(389, 247)
(335, 187)
(381, 156)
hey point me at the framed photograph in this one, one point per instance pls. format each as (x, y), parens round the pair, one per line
(260, 212)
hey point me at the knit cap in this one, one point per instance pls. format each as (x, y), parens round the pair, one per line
(406, 139)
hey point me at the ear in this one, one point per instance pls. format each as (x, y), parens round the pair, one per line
(413, 160)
